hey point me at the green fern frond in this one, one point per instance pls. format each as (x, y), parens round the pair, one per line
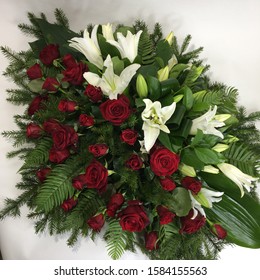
(58, 186)
(145, 49)
(117, 239)
(38, 156)
(17, 137)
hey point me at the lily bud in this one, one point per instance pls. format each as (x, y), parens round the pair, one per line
(220, 147)
(222, 117)
(210, 169)
(163, 74)
(187, 170)
(177, 98)
(141, 86)
(230, 139)
(169, 38)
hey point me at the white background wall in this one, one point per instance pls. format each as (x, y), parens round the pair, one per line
(229, 33)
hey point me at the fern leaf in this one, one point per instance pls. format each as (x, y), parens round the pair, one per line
(58, 187)
(145, 49)
(117, 239)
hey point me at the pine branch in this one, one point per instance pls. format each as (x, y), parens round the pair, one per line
(61, 18)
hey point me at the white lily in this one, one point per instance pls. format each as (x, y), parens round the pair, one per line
(241, 179)
(89, 47)
(110, 83)
(127, 46)
(155, 117)
(207, 124)
(204, 198)
(107, 31)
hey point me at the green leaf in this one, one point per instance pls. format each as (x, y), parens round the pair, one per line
(177, 69)
(180, 202)
(165, 140)
(106, 48)
(187, 97)
(118, 65)
(189, 157)
(207, 156)
(193, 75)
(169, 85)
(164, 51)
(154, 88)
(242, 227)
(36, 85)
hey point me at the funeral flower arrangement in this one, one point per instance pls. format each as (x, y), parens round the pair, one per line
(125, 135)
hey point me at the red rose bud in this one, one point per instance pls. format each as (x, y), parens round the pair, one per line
(34, 72)
(67, 106)
(191, 184)
(96, 222)
(79, 182)
(50, 84)
(96, 176)
(163, 162)
(93, 93)
(167, 184)
(115, 203)
(98, 150)
(69, 204)
(69, 61)
(86, 120)
(219, 231)
(116, 111)
(36, 104)
(43, 173)
(190, 225)
(129, 136)
(133, 218)
(74, 70)
(49, 53)
(165, 215)
(33, 131)
(151, 241)
(58, 156)
(134, 162)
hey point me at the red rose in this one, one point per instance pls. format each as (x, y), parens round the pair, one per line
(69, 61)
(129, 136)
(96, 222)
(189, 225)
(43, 173)
(36, 104)
(58, 156)
(86, 120)
(33, 131)
(74, 70)
(191, 184)
(163, 162)
(51, 126)
(49, 53)
(79, 182)
(165, 215)
(50, 84)
(115, 202)
(67, 106)
(34, 72)
(96, 176)
(151, 239)
(69, 204)
(116, 111)
(134, 162)
(219, 231)
(167, 184)
(93, 93)
(64, 136)
(133, 218)
(98, 150)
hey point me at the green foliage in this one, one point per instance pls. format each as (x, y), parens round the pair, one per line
(117, 239)
(145, 49)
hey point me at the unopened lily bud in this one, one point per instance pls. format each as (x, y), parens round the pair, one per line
(220, 147)
(187, 170)
(178, 98)
(163, 74)
(230, 139)
(201, 198)
(169, 38)
(210, 169)
(222, 117)
(141, 86)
